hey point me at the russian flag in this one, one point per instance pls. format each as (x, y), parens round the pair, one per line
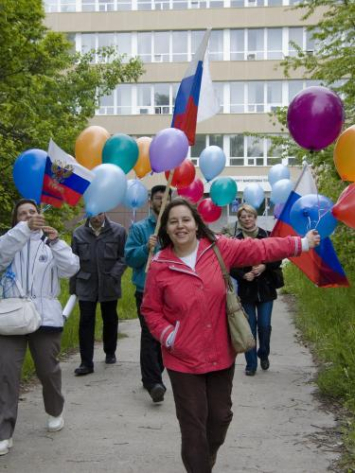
(195, 100)
(320, 265)
(65, 180)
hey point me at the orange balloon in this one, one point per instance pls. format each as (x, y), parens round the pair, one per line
(344, 155)
(344, 209)
(89, 144)
(142, 167)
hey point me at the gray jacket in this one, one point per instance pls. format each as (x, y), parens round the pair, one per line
(101, 262)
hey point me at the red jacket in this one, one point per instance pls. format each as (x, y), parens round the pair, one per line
(195, 301)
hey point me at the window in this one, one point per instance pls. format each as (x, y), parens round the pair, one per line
(237, 45)
(124, 5)
(274, 43)
(237, 146)
(295, 35)
(88, 5)
(180, 46)
(216, 140)
(294, 86)
(144, 4)
(105, 40)
(255, 96)
(161, 46)
(255, 147)
(255, 44)
(216, 45)
(237, 97)
(199, 146)
(274, 94)
(196, 38)
(87, 42)
(218, 88)
(161, 99)
(124, 45)
(179, 5)
(107, 105)
(124, 99)
(145, 46)
(144, 99)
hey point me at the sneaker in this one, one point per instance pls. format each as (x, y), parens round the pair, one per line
(265, 364)
(83, 370)
(55, 423)
(157, 393)
(110, 359)
(250, 372)
(5, 446)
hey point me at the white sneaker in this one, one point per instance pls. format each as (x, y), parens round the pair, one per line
(55, 423)
(5, 445)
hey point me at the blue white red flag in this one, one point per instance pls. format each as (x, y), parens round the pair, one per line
(320, 265)
(196, 100)
(65, 180)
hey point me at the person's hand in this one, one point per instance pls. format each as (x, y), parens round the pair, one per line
(36, 222)
(152, 242)
(50, 232)
(258, 269)
(249, 276)
(313, 238)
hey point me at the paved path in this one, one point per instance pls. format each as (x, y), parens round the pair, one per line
(112, 426)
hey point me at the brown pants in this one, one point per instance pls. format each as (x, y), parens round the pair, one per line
(203, 407)
(44, 348)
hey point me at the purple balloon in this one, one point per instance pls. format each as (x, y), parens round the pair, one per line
(168, 149)
(315, 117)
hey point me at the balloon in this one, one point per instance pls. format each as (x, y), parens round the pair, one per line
(89, 145)
(136, 194)
(315, 117)
(254, 195)
(313, 211)
(28, 173)
(344, 209)
(278, 172)
(281, 190)
(223, 191)
(168, 149)
(209, 211)
(278, 209)
(107, 189)
(344, 154)
(183, 174)
(193, 192)
(212, 161)
(142, 166)
(121, 150)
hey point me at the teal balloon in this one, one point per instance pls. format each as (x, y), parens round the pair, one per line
(106, 190)
(223, 191)
(121, 150)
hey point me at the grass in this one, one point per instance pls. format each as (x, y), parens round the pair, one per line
(326, 318)
(70, 341)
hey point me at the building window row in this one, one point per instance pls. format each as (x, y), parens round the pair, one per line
(234, 97)
(244, 44)
(67, 6)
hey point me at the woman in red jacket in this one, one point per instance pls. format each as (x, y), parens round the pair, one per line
(185, 308)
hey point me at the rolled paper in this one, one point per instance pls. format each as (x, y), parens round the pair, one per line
(69, 306)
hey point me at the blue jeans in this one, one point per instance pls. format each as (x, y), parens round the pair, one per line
(259, 316)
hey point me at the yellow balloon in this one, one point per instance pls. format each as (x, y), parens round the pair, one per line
(89, 144)
(142, 167)
(344, 155)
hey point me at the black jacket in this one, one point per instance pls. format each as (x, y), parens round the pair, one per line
(262, 288)
(101, 262)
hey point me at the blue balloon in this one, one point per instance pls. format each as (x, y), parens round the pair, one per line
(313, 211)
(254, 195)
(212, 162)
(136, 194)
(281, 190)
(278, 172)
(28, 173)
(107, 189)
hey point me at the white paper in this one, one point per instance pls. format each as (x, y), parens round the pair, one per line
(69, 306)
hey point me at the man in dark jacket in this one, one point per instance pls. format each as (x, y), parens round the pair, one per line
(99, 243)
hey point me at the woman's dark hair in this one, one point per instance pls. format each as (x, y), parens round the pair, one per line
(203, 230)
(17, 205)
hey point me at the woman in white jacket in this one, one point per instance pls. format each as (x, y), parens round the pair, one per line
(32, 254)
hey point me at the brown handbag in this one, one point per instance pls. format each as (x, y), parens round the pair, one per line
(239, 328)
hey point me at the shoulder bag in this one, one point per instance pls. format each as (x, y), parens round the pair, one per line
(239, 328)
(18, 315)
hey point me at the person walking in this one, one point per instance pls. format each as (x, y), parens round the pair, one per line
(257, 291)
(140, 241)
(184, 306)
(34, 258)
(99, 243)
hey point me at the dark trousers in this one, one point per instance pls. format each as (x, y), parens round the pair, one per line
(203, 407)
(87, 329)
(151, 360)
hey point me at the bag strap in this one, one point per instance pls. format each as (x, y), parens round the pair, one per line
(226, 276)
(11, 275)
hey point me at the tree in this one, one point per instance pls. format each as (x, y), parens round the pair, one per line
(46, 90)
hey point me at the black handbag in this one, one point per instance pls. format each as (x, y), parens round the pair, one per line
(277, 278)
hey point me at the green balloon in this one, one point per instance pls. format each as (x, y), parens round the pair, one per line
(121, 150)
(223, 191)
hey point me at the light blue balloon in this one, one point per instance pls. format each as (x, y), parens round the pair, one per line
(278, 172)
(313, 211)
(107, 189)
(212, 162)
(136, 194)
(281, 190)
(254, 195)
(223, 191)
